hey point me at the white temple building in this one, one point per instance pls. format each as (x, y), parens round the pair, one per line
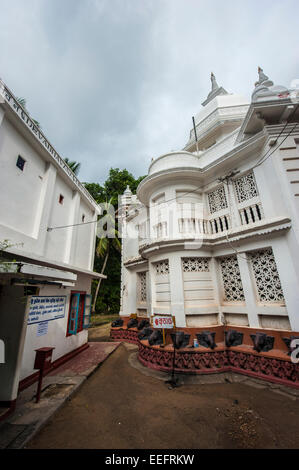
(212, 236)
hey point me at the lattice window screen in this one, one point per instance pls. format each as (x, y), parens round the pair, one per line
(266, 276)
(162, 267)
(193, 265)
(232, 283)
(217, 200)
(142, 287)
(246, 187)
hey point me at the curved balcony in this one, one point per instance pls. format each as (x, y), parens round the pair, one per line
(178, 159)
(211, 232)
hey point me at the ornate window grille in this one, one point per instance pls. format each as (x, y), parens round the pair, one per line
(162, 267)
(245, 187)
(266, 276)
(217, 200)
(231, 277)
(195, 265)
(142, 286)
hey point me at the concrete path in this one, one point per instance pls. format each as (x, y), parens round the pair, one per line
(125, 406)
(57, 388)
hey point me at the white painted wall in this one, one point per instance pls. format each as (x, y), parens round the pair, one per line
(56, 336)
(30, 204)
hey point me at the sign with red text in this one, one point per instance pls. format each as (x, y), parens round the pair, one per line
(163, 321)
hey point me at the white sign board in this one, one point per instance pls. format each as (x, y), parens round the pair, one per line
(163, 321)
(46, 308)
(42, 328)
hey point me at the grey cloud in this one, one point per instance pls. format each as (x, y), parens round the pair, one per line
(116, 82)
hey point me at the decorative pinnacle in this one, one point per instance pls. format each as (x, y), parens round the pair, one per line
(215, 85)
(262, 77)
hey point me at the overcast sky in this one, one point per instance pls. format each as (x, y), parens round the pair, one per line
(116, 82)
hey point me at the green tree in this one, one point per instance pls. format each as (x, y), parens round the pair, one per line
(117, 182)
(109, 299)
(74, 166)
(97, 191)
(23, 103)
(105, 244)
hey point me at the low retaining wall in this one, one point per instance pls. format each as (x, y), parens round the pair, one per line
(122, 334)
(274, 366)
(212, 362)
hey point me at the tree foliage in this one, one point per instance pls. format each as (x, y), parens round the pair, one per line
(114, 186)
(73, 165)
(108, 300)
(23, 103)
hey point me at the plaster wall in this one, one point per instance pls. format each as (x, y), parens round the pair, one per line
(30, 204)
(57, 329)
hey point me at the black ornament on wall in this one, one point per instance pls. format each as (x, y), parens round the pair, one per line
(143, 323)
(145, 333)
(180, 339)
(233, 338)
(133, 323)
(262, 342)
(207, 339)
(155, 338)
(117, 323)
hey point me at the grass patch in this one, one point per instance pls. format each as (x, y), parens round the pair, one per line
(98, 319)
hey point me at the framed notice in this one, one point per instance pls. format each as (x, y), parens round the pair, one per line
(46, 308)
(163, 321)
(42, 328)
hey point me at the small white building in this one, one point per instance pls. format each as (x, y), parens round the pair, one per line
(217, 222)
(45, 284)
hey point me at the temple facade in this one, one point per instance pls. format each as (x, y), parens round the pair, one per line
(212, 236)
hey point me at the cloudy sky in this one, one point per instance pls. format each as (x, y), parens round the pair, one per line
(116, 82)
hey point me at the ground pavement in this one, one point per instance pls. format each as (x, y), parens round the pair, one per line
(126, 406)
(57, 388)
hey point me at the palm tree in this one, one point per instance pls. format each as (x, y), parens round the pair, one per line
(74, 166)
(23, 103)
(111, 239)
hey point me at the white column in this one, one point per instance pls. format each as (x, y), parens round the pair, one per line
(43, 212)
(151, 289)
(129, 292)
(233, 209)
(93, 232)
(72, 232)
(177, 290)
(248, 288)
(215, 272)
(288, 279)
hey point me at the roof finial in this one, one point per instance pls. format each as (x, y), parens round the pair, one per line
(128, 191)
(216, 90)
(262, 77)
(215, 85)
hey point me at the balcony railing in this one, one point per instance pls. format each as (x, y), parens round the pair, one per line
(251, 214)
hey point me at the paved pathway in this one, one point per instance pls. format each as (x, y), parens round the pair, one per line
(121, 407)
(57, 388)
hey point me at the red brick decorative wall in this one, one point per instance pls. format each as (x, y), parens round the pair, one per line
(275, 365)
